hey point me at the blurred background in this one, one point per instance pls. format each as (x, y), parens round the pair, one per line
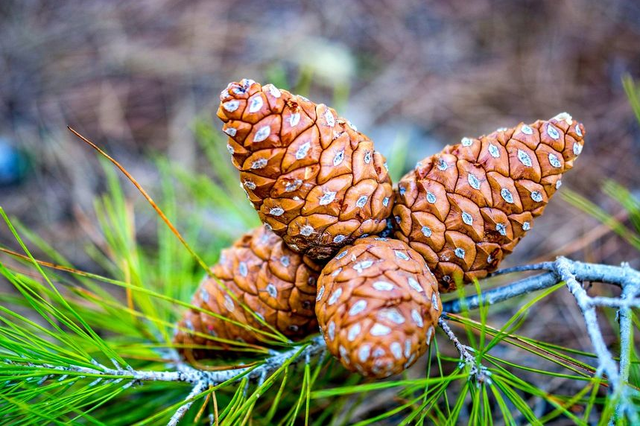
(137, 77)
(134, 76)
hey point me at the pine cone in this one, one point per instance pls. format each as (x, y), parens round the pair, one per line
(263, 273)
(312, 177)
(467, 207)
(377, 306)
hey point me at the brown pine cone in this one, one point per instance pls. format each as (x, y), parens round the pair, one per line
(377, 306)
(264, 274)
(312, 177)
(467, 207)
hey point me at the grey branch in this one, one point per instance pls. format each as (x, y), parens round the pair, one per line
(478, 373)
(626, 342)
(618, 385)
(188, 374)
(571, 272)
(605, 359)
(189, 400)
(616, 275)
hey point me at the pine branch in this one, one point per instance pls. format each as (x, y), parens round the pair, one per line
(571, 272)
(478, 373)
(187, 374)
(587, 306)
(626, 344)
(616, 275)
(189, 400)
(565, 272)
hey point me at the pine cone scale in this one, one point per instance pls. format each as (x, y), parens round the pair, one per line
(261, 272)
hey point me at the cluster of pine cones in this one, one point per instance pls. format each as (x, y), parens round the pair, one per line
(325, 196)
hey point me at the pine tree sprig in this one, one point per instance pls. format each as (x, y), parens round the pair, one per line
(54, 370)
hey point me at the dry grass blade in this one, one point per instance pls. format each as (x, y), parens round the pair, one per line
(144, 193)
(175, 231)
